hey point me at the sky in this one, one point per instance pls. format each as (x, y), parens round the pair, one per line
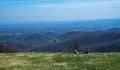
(58, 10)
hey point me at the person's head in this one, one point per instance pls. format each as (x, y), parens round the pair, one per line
(86, 48)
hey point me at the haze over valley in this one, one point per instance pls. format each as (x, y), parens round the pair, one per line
(97, 35)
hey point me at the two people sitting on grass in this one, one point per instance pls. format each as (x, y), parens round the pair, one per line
(85, 51)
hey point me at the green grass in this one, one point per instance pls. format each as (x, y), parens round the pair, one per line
(59, 61)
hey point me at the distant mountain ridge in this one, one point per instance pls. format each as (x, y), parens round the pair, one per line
(97, 35)
(61, 26)
(93, 41)
(41, 42)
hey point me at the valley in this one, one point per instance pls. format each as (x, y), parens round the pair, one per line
(97, 35)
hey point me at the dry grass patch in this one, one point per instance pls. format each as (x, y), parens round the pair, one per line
(60, 64)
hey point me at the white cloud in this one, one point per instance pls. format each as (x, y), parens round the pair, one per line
(71, 4)
(67, 10)
(79, 10)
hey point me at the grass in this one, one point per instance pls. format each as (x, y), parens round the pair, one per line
(59, 61)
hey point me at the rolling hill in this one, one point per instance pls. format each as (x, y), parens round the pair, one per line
(96, 42)
(97, 35)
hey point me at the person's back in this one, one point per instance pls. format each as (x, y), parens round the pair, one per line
(86, 51)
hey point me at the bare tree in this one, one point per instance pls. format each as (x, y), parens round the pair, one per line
(76, 47)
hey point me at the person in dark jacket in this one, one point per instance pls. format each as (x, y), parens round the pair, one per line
(86, 51)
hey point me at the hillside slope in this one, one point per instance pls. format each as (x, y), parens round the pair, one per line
(4, 49)
(103, 42)
(96, 41)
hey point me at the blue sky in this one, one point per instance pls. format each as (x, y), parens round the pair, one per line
(58, 10)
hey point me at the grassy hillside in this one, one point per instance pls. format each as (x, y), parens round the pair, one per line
(59, 61)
